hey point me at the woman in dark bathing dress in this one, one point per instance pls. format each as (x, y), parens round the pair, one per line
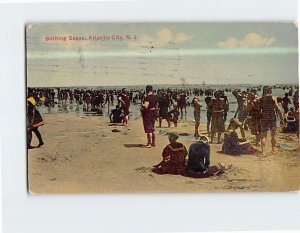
(149, 116)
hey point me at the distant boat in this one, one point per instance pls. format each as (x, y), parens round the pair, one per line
(183, 85)
(203, 83)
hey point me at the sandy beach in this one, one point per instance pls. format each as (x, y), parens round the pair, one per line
(82, 155)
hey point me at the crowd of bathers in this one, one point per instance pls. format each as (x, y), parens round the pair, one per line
(257, 113)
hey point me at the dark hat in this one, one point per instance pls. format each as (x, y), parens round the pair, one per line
(217, 92)
(173, 135)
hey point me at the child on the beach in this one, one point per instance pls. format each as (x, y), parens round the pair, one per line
(116, 115)
(173, 115)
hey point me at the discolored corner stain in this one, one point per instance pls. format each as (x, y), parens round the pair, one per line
(295, 23)
(28, 26)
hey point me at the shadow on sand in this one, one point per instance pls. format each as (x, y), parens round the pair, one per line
(134, 145)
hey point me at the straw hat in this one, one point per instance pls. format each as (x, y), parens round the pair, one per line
(31, 100)
(235, 121)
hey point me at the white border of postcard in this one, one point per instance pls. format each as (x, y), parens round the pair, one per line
(24, 213)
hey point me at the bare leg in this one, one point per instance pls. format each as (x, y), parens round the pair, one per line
(207, 128)
(153, 139)
(125, 120)
(273, 139)
(263, 146)
(257, 139)
(149, 140)
(219, 137)
(212, 136)
(169, 123)
(175, 122)
(197, 123)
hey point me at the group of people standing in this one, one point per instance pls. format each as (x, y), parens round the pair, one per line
(257, 113)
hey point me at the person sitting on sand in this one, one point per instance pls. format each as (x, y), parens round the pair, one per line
(291, 122)
(233, 145)
(116, 115)
(199, 155)
(198, 163)
(174, 157)
(173, 115)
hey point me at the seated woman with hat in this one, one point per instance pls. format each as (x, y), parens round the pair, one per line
(233, 145)
(174, 158)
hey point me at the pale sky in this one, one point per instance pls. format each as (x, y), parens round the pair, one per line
(162, 53)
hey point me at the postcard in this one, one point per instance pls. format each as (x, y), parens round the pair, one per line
(162, 107)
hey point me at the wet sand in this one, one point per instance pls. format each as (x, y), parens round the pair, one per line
(82, 155)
